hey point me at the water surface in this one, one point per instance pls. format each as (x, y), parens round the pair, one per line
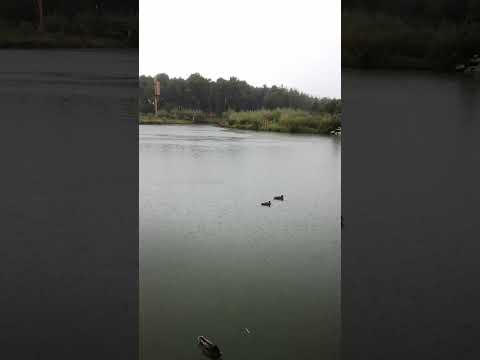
(213, 261)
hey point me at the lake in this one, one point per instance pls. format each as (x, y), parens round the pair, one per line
(214, 262)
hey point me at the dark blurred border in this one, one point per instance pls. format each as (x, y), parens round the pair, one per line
(69, 209)
(53, 24)
(435, 35)
(410, 175)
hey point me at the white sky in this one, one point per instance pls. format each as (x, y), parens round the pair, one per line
(295, 43)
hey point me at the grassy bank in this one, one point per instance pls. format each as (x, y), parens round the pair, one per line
(281, 120)
(376, 40)
(180, 117)
(154, 120)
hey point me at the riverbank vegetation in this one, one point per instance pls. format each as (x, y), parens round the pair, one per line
(409, 34)
(283, 120)
(69, 24)
(179, 117)
(279, 120)
(236, 104)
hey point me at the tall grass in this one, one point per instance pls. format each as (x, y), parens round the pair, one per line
(283, 120)
(280, 120)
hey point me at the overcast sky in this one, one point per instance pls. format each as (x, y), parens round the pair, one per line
(295, 43)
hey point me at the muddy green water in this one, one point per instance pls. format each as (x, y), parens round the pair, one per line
(214, 262)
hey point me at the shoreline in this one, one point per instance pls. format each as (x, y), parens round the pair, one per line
(54, 41)
(407, 68)
(305, 131)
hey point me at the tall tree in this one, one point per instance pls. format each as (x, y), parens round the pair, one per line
(199, 93)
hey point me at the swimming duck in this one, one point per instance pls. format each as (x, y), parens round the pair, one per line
(209, 349)
(268, 203)
(278, 197)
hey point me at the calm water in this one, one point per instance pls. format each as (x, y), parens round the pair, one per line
(213, 261)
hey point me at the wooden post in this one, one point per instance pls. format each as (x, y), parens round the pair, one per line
(157, 94)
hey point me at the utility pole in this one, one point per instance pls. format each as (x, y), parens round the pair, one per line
(157, 94)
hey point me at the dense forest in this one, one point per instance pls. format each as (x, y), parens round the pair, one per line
(434, 10)
(417, 34)
(199, 93)
(65, 23)
(26, 10)
(234, 103)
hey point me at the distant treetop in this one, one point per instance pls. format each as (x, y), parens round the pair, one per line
(199, 93)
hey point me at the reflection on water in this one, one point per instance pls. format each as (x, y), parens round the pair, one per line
(214, 262)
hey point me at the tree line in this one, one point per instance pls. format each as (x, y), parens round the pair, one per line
(199, 93)
(410, 34)
(26, 10)
(435, 10)
(68, 23)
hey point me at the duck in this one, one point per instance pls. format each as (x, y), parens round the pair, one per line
(268, 203)
(209, 349)
(278, 197)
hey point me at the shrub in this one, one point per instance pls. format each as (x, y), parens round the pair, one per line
(276, 115)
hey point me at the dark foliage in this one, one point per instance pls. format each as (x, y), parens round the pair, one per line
(416, 34)
(199, 93)
(69, 22)
(436, 11)
(25, 10)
